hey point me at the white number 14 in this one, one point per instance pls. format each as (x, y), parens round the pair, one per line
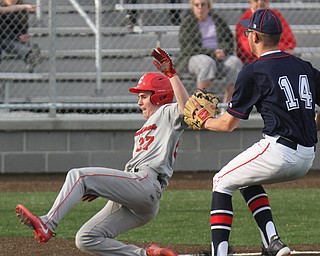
(304, 92)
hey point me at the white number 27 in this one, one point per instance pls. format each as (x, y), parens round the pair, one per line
(304, 92)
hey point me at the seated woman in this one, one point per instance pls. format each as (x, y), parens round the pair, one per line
(207, 47)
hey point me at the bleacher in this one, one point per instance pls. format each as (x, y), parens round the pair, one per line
(125, 51)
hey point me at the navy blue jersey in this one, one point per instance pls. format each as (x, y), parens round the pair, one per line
(284, 89)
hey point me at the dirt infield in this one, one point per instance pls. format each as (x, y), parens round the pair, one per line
(180, 180)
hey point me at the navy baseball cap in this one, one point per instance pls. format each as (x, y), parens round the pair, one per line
(264, 21)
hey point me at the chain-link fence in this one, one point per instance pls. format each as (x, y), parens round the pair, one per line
(83, 55)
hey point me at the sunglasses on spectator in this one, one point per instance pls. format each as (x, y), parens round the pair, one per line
(247, 32)
(200, 4)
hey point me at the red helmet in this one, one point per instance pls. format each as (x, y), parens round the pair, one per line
(159, 84)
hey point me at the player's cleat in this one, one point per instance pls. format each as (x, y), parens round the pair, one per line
(154, 250)
(41, 231)
(276, 248)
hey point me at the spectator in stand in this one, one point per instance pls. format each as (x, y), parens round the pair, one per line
(14, 38)
(287, 41)
(207, 48)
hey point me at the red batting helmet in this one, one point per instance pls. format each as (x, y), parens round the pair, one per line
(159, 84)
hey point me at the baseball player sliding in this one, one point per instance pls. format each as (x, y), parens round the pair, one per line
(284, 89)
(134, 193)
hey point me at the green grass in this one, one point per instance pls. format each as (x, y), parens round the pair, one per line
(183, 217)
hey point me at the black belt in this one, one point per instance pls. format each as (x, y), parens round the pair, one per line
(288, 143)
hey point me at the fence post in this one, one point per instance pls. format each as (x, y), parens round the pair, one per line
(52, 58)
(98, 47)
(39, 13)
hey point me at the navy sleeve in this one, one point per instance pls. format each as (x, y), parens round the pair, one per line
(245, 95)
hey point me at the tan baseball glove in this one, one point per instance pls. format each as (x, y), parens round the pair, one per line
(194, 116)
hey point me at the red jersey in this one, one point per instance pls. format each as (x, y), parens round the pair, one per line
(287, 40)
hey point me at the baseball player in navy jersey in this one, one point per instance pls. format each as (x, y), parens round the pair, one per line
(284, 89)
(134, 193)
